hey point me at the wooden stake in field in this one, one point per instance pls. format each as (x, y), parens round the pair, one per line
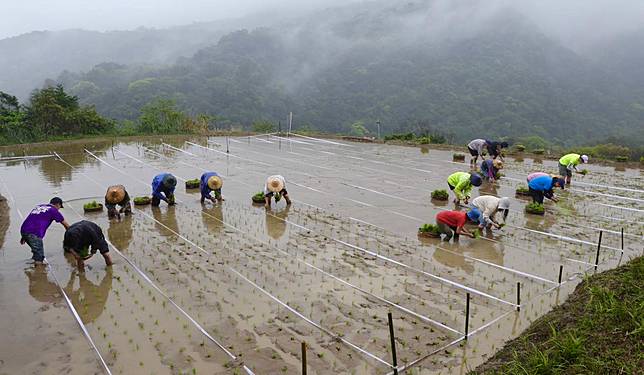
(518, 296)
(599, 245)
(560, 273)
(303, 358)
(393, 343)
(467, 315)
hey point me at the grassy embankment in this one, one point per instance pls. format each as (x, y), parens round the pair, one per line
(598, 330)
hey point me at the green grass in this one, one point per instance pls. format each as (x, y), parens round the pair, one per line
(598, 330)
(441, 195)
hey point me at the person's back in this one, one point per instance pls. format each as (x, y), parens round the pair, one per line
(534, 175)
(39, 220)
(541, 183)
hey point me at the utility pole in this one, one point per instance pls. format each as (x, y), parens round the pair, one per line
(378, 123)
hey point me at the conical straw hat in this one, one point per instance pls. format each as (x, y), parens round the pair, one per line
(215, 182)
(115, 194)
(498, 164)
(275, 184)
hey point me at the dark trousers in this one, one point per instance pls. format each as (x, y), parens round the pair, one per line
(537, 195)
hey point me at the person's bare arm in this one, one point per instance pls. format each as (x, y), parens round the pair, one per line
(463, 230)
(65, 224)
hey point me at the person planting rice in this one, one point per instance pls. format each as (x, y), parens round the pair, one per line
(79, 237)
(543, 186)
(476, 147)
(452, 223)
(488, 206)
(569, 162)
(163, 189)
(461, 184)
(116, 195)
(494, 148)
(35, 226)
(490, 168)
(275, 186)
(208, 183)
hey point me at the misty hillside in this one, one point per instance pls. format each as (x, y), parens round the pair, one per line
(27, 60)
(457, 70)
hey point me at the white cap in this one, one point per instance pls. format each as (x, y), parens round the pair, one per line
(504, 203)
(584, 158)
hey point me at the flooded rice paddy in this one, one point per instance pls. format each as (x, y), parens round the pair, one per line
(235, 288)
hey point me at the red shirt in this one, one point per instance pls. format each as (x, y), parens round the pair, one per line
(452, 218)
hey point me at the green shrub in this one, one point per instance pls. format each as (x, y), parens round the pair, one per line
(440, 195)
(519, 147)
(539, 151)
(621, 158)
(535, 208)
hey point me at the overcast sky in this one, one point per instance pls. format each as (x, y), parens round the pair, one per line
(568, 19)
(22, 16)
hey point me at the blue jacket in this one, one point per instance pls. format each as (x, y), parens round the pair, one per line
(158, 190)
(203, 184)
(541, 183)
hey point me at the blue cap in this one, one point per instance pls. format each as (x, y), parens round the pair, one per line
(561, 181)
(474, 214)
(475, 179)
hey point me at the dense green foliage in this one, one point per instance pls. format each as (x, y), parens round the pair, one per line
(51, 113)
(440, 194)
(505, 80)
(535, 208)
(599, 330)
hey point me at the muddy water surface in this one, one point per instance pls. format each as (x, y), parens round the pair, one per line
(325, 270)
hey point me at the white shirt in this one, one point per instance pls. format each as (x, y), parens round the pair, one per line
(488, 205)
(479, 145)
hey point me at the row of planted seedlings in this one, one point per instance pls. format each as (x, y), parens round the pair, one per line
(420, 199)
(343, 327)
(343, 310)
(555, 270)
(345, 324)
(477, 273)
(128, 330)
(200, 348)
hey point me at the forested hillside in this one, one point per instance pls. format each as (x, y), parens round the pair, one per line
(458, 72)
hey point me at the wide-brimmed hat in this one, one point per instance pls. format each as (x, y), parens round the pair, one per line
(169, 181)
(275, 184)
(498, 164)
(115, 194)
(215, 182)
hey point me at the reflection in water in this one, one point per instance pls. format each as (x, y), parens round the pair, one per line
(214, 225)
(539, 222)
(55, 171)
(120, 232)
(488, 188)
(453, 260)
(40, 287)
(424, 150)
(89, 299)
(274, 226)
(168, 218)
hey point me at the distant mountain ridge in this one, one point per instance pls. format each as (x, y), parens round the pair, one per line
(409, 65)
